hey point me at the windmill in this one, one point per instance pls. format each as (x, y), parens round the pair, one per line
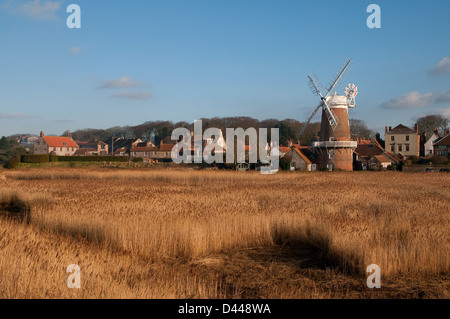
(334, 147)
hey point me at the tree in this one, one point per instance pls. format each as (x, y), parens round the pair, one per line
(4, 143)
(358, 128)
(310, 132)
(287, 132)
(429, 123)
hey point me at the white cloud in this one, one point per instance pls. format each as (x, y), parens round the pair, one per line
(45, 10)
(442, 67)
(409, 100)
(75, 50)
(143, 95)
(123, 82)
(5, 116)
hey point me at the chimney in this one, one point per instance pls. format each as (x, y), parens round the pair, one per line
(69, 135)
(386, 129)
(390, 128)
(42, 134)
(436, 131)
(416, 127)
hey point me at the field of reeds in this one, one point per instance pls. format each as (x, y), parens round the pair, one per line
(221, 234)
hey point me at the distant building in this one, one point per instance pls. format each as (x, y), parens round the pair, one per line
(402, 140)
(61, 146)
(364, 151)
(380, 162)
(298, 159)
(442, 145)
(93, 148)
(428, 149)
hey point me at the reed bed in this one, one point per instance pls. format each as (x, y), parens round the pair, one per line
(215, 234)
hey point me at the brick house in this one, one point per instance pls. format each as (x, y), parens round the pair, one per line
(61, 146)
(442, 146)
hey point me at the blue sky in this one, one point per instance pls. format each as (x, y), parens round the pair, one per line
(135, 61)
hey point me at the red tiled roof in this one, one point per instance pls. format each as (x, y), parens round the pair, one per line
(166, 147)
(57, 141)
(284, 149)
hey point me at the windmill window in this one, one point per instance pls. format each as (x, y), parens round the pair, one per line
(331, 154)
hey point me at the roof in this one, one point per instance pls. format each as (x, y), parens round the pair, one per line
(402, 129)
(57, 141)
(382, 159)
(83, 151)
(166, 147)
(141, 149)
(443, 141)
(368, 148)
(394, 157)
(284, 149)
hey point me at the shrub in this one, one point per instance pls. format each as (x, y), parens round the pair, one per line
(137, 160)
(14, 162)
(285, 165)
(392, 168)
(439, 160)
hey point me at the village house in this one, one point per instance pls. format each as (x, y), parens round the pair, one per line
(402, 140)
(442, 145)
(61, 146)
(428, 149)
(97, 148)
(122, 143)
(161, 153)
(379, 162)
(364, 151)
(299, 160)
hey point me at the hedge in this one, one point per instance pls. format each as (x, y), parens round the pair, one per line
(92, 158)
(44, 158)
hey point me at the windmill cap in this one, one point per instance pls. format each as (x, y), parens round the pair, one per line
(337, 100)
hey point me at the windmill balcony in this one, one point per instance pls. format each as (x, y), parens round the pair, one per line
(335, 144)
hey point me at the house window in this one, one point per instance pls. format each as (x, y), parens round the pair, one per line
(331, 139)
(400, 148)
(392, 138)
(407, 147)
(331, 154)
(407, 137)
(154, 153)
(166, 153)
(392, 148)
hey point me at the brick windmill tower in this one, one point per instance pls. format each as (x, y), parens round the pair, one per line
(334, 148)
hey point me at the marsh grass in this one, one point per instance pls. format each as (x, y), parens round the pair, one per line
(197, 234)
